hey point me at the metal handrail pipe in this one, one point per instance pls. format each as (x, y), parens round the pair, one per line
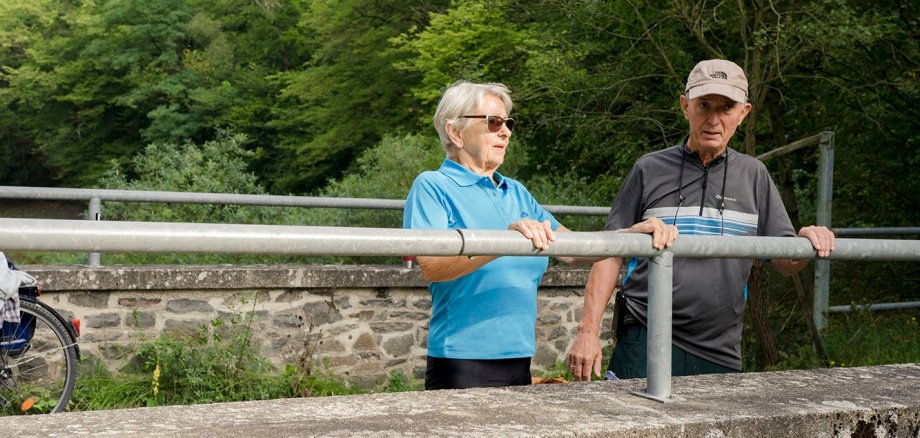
(606, 243)
(68, 194)
(876, 231)
(162, 237)
(111, 236)
(874, 307)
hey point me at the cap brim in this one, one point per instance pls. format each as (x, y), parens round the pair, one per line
(731, 92)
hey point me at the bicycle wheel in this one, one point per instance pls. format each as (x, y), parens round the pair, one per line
(38, 363)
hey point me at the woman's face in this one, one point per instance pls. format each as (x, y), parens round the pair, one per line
(478, 149)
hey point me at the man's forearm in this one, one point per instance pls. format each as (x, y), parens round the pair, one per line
(788, 267)
(601, 283)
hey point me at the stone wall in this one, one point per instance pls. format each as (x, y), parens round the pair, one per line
(363, 321)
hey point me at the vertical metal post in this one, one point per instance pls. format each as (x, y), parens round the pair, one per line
(660, 280)
(823, 218)
(94, 214)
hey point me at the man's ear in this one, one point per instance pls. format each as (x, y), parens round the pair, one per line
(685, 106)
(744, 111)
(453, 131)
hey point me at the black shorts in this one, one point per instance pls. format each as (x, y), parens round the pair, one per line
(444, 373)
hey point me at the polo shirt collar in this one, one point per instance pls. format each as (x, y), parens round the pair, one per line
(685, 149)
(465, 177)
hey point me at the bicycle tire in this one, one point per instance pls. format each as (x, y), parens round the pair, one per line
(38, 370)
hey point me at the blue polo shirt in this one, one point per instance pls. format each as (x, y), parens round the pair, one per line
(489, 313)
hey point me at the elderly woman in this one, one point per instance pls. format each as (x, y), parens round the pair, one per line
(483, 308)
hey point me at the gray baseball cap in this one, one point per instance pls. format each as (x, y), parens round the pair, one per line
(717, 76)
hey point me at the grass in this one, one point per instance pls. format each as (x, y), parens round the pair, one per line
(860, 339)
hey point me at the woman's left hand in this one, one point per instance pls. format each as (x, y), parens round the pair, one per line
(540, 233)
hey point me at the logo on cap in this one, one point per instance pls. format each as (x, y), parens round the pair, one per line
(719, 75)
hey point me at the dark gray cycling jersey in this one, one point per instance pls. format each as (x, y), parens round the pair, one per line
(733, 196)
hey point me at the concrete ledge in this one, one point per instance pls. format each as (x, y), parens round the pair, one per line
(881, 401)
(190, 277)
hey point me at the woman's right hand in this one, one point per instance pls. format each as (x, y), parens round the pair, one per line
(540, 233)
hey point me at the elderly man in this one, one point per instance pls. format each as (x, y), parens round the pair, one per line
(700, 187)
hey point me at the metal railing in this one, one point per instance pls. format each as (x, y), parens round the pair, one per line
(99, 195)
(63, 235)
(824, 141)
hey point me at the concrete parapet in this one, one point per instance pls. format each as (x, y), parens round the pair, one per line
(881, 401)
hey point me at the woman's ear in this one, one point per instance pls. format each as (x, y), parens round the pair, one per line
(454, 132)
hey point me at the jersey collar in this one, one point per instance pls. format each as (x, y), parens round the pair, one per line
(465, 177)
(685, 149)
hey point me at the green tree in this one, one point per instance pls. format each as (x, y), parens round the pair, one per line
(349, 95)
(217, 166)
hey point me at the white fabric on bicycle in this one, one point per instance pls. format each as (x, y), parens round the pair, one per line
(11, 280)
(9, 311)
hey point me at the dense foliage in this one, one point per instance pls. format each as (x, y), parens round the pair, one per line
(313, 83)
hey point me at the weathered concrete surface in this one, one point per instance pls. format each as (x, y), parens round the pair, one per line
(879, 401)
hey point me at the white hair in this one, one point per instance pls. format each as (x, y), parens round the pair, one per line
(461, 99)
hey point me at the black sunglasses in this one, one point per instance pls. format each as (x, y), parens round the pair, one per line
(495, 122)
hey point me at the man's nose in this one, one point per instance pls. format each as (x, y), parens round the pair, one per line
(713, 118)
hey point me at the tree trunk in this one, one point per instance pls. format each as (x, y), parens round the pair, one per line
(758, 315)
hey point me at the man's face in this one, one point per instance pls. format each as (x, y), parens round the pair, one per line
(713, 120)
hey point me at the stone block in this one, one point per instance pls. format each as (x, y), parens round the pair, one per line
(369, 356)
(100, 336)
(399, 346)
(415, 316)
(368, 379)
(115, 351)
(321, 312)
(365, 342)
(559, 307)
(244, 299)
(548, 318)
(558, 332)
(290, 296)
(279, 343)
(336, 362)
(342, 302)
(95, 300)
(140, 320)
(563, 346)
(287, 320)
(66, 314)
(384, 302)
(338, 329)
(243, 317)
(330, 346)
(391, 327)
(101, 320)
(185, 328)
(139, 302)
(560, 292)
(545, 357)
(185, 305)
(423, 303)
(394, 362)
